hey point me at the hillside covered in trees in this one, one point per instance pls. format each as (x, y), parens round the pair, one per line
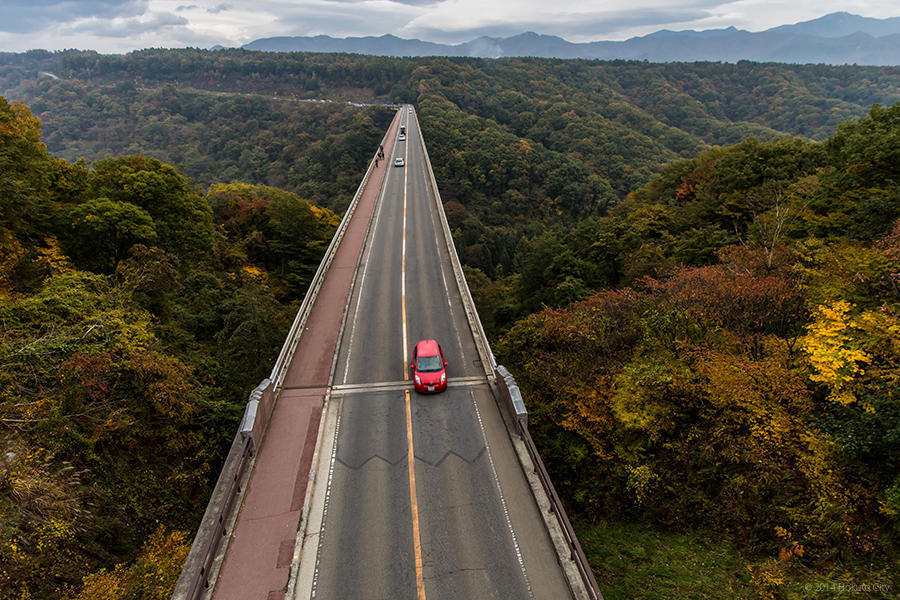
(691, 269)
(137, 311)
(240, 113)
(736, 371)
(519, 145)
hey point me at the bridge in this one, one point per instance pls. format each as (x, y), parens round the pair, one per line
(342, 482)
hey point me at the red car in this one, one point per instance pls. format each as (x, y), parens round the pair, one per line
(429, 367)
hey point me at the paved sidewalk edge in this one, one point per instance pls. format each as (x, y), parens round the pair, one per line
(313, 474)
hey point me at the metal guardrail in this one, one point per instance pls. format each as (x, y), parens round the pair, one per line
(200, 570)
(512, 397)
(510, 392)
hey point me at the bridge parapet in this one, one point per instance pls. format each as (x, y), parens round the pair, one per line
(202, 564)
(582, 582)
(201, 568)
(511, 396)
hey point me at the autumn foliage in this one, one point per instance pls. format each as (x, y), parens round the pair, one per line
(134, 322)
(756, 396)
(151, 576)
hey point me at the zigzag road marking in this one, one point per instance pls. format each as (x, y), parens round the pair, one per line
(451, 452)
(394, 463)
(373, 457)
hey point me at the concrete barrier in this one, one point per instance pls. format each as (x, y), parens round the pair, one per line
(201, 566)
(510, 392)
(290, 343)
(509, 397)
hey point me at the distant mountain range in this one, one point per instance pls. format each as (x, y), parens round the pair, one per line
(837, 38)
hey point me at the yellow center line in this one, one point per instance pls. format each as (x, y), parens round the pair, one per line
(411, 455)
(417, 543)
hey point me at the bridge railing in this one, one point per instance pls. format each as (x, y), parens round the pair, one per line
(511, 396)
(200, 569)
(290, 343)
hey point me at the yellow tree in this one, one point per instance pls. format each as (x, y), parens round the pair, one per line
(835, 355)
(151, 577)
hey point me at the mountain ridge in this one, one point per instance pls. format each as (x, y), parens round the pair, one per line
(836, 38)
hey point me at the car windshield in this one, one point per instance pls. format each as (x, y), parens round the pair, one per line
(429, 364)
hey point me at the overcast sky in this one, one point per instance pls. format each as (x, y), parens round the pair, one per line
(115, 26)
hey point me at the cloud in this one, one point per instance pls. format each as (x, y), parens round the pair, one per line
(573, 28)
(130, 27)
(335, 18)
(406, 2)
(460, 20)
(123, 25)
(27, 16)
(212, 10)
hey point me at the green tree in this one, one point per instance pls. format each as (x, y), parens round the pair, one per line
(870, 147)
(24, 172)
(181, 217)
(102, 231)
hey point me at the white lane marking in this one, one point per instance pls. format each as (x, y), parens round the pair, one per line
(447, 295)
(389, 386)
(334, 448)
(362, 281)
(512, 532)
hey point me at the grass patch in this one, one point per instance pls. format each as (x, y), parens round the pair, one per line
(634, 561)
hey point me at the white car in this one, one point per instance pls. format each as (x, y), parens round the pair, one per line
(402, 137)
(399, 162)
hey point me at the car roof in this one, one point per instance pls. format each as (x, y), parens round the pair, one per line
(427, 347)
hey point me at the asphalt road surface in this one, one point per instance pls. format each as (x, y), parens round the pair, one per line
(425, 496)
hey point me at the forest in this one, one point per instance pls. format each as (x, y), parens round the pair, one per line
(691, 268)
(735, 330)
(137, 312)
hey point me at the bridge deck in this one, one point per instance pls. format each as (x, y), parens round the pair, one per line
(425, 498)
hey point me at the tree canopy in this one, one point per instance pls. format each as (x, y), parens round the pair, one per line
(138, 312)
(730, 363)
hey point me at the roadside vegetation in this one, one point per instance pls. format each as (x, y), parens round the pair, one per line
(736, 370)
(137, 312)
